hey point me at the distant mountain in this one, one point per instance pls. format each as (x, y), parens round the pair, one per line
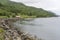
(11, 9)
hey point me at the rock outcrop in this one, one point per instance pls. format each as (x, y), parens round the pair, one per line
(11, 33)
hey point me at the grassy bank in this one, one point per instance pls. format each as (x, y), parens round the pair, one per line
(21, 16)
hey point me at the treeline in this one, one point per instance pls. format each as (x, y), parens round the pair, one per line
(11, 9)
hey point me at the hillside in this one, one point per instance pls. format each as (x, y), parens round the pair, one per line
(11, 9)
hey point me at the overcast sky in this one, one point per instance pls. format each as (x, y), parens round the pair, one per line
(52, 5)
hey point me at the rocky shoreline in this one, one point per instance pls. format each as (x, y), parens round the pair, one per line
(11, 33)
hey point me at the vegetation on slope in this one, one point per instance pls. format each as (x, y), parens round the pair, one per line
(11, 9)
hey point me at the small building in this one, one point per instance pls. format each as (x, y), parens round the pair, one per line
(17, 16)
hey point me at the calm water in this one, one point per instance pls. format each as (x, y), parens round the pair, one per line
(45, 28)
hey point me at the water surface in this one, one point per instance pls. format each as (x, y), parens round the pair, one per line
(45, 28)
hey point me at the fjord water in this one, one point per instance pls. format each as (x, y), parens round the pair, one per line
(45, 28)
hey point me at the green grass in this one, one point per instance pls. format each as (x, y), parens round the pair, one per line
(1, 34)
(26, 16)
(3, 17)
(1, 30)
